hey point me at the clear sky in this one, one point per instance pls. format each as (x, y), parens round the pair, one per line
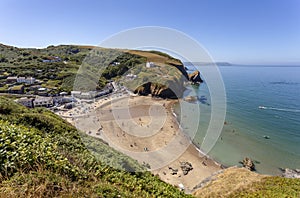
(238, 31)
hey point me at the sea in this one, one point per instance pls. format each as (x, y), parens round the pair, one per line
(262, 116)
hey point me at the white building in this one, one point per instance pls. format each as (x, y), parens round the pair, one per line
(63, 93)
(131, 76)
(29, 80)
(21, 79)
(86, 95)
(42, 89)
(11, 79)
(43, 102)
(150, 64)
(75, 93)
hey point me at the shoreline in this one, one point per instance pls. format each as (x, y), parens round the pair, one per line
(194, 144)
(183, 152)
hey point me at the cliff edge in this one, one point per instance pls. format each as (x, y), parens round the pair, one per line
(162, 76)
(240, 182)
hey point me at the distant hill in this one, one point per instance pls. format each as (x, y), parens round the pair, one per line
(208, 63)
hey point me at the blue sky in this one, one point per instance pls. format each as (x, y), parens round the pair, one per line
(238, 31)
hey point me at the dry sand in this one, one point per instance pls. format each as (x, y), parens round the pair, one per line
(145, 129)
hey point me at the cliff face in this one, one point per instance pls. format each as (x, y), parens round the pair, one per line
(165, 78)
(164, 87)
(182, 69)
(172, 91)
(171, 88)
(195, 77)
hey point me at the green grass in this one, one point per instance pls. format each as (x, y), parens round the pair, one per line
(85, 66)
(240, 182)
(271, 187)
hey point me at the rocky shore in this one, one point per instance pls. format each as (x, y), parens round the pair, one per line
(291, 173)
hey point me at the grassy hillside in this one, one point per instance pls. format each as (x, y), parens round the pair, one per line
(43, 156)
(28, 62)
(57, 67)
(240, 182)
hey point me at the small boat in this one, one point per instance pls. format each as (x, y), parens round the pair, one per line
(262, 107)
(266, 137)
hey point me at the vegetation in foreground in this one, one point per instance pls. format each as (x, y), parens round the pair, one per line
(240, 182)
(43, 156)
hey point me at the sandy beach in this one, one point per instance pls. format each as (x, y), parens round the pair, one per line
(145, 129)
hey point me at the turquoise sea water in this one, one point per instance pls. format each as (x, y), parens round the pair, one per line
(277, 89)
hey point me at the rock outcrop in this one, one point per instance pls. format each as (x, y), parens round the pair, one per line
(166, 79)
(182, 69)
(248, 163)
(195, 77)
(186, 167)
(290, 173)
(173, 171)
(171, 90)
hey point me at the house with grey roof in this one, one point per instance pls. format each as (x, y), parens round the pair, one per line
(43, 102)
(27, 102)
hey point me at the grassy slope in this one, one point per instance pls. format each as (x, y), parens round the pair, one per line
(168, 73)
(165, 65)
(87, 63)
(239, 182)
(27, 61)
(156, 56)
(43, 156)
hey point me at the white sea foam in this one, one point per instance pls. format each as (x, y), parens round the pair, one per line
(280, 109)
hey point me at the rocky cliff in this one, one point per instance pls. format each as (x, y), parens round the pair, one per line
(182, 69)
(165, 78)
(195, 77)
(169, 86)
(172, 91)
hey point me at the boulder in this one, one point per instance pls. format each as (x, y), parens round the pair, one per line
(173, 171)
(290, 173)
(248, 163)
(186, 167)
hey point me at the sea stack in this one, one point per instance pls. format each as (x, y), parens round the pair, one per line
(195, 77)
